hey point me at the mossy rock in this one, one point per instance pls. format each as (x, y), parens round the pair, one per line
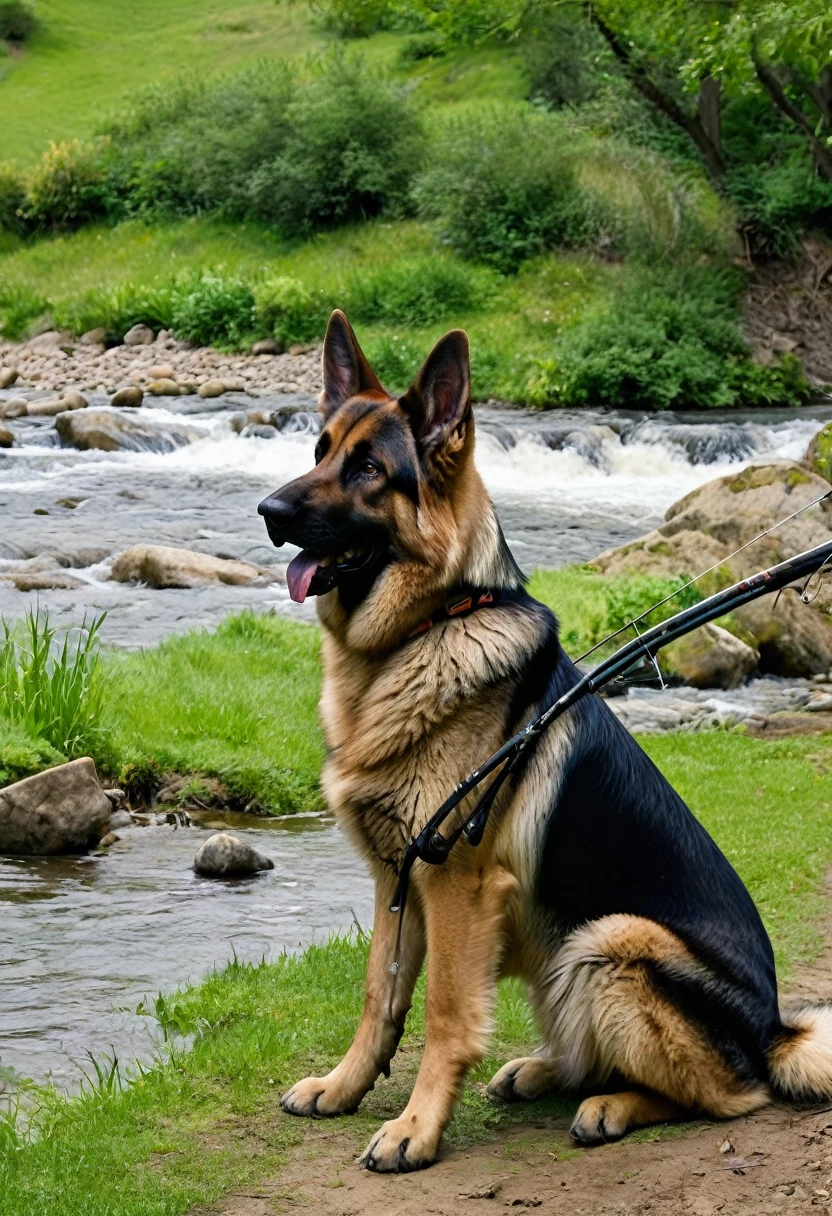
(819, 453)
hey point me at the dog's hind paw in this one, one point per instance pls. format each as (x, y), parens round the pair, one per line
(398, 1148)
(524, 1080)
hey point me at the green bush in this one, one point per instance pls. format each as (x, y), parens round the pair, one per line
(298, 154)
(289, 310)
(16, 20)
(663, 343)
(20, 307)
(67, 187)
(12, 201)
(416, 292)
(395, 360)
(117, 309)
(504, 187)
(214, 309)
(356, 18)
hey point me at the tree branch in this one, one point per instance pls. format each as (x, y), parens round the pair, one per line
(638, 77)
(772, 84)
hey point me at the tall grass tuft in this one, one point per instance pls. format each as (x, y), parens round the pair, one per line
(51, 688)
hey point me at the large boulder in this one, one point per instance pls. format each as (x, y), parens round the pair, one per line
(62, 810)
(704, 529)
(226, 856)
(162, 566)
(818, 456)
(108, 432)
(710, 657)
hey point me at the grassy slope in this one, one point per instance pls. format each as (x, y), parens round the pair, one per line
(207, 1121)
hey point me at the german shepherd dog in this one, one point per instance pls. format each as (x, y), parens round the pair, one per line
(647, 964)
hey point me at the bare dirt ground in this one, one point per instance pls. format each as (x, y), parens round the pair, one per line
(777, 1161)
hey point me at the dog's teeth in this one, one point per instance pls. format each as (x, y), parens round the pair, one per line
(325, 561)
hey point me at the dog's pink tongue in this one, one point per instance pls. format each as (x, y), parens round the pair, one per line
(299, 574)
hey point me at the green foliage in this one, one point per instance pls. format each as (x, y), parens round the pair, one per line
(504, 187)
(215, 308)
(395, 360)
(417, 292)
(298, 153)
(289, 310)
(23, 755)
(12, 201)
(118, 308)
(356, 18)
(67, 187)
(16, 20)
(666, 342)
(50, 689)
(19, 307)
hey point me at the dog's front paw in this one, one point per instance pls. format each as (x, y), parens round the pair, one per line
(598, 1120)
(317, 1098)
(399, 1147)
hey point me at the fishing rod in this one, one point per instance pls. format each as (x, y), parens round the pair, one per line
(433, 848)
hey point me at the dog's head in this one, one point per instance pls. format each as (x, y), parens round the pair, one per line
(392, 493)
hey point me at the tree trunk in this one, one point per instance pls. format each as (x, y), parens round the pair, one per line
(710, 111)
(638, 77)
(772, 84)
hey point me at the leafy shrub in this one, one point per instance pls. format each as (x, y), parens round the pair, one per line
(266, 145)
(20, 308)
(663, 345)
(416, 292)
(52, 690)
(214, 309)
(352, 146)
(505, 187)
(21, 755)
(117, 309)
(12, 201)
(631, 597)
(356, 18)
(67, 187)
(289, 311)
(16, 20)
(395, 360)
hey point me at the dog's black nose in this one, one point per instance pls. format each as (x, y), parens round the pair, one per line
(276, 510)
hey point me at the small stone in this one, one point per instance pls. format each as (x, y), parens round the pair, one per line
(781, 344)
(74, 401)
(106, 841)
(8, 375)
(266, 346)
(259, 431)
(93, 337)
(302, 348)
(226, 856)
(15, 407)
(128, 398)
(212, 388)
(163, 388)
(139, 335)
(6, 437)
(46, 409)
(161, 371)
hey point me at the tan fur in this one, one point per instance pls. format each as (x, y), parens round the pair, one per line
(801, 1062)
(405, 721)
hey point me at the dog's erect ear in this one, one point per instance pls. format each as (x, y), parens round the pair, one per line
(439, 400)
(345, 367)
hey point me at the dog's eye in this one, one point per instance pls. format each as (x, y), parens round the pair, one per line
(370, 469)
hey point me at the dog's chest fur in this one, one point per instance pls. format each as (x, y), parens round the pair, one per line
(404, 729)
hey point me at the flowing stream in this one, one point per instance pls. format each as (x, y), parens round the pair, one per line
(83, 941)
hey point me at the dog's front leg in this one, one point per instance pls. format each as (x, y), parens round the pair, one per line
(464, 919)
(381, 1026)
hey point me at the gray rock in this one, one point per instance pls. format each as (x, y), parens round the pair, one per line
(226, 856)
(74, 401)
(6, 437)
(49, 408)
(162, 566)
(266, 346)
(710, 657)
(130, 397)
(97, 429)
(139, 335)
(164, 388)
(15, 407)
(259, 430)
(212, 388)
(62, 810)
(50, 341)
(93, 337)
(43, 580)
(8, 375)
(161, 371)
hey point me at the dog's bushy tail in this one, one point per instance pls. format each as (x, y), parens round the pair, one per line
(800, 1059)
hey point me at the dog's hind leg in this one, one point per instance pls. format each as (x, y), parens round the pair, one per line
(465, 919)
(610, 1012)
(382, 1021)
(526, 1079)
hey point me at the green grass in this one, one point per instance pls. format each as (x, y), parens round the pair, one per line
(206, 1121)
(239, 704)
